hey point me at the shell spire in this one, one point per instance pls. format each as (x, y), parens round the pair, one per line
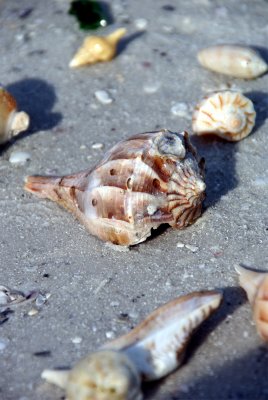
(255, 285)
(142, 182)
(150, 351)
(97, 49)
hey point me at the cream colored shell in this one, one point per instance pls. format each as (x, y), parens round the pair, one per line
(227, 114)
(233, 60)
(12, 122)
(256, 286)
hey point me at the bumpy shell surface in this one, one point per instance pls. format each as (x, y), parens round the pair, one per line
(256, 286)
(97, 49)
(227, 114)
(233, 60)
(142, 182)
(11, 121)
(150, 351)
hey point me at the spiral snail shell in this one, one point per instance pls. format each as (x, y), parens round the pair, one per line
(229, 115)
(97, 49)
(255, 285)
(230, 59)
(12, 122)
(142, 182)
(150, 351)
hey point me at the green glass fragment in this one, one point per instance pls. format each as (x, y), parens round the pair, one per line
(90, 14)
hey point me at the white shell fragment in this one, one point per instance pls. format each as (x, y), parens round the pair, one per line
(19, 157)
(227, 114)
(233, 60)
(150, 351)
(103, 97)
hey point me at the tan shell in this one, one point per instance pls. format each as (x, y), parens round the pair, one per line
(142, 182)
(11, 121)
(97, 49)
(227, 114)
(233, 60)
(256, 286)
(150, 351)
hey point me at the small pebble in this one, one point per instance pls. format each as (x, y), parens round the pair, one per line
(83, 147)
(180, 245)
(19, 157)
(141, 23)
(103, 97)
(32, 312)
(109, 334)
(180, 110)
(97, 146)
(151, 88)
(40, 300)
(194, 249)
(114, 303)
(76, 340)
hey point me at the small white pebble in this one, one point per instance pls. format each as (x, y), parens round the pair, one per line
(103, 97)
(83, 147)
(151, 88)
(97, 146)
(180, 245)
(141, 23)
(109, 334)
(76, 340)
(194, 249)
(180, 110)
(19, 157)
(245, 334)
(32, 312)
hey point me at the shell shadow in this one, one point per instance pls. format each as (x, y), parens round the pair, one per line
(220, 175)
(260, 100)
(233, 297)
(124, 42)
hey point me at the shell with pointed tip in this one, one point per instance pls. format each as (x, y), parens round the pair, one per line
(142, 182)
(12, 122)
(233, 60)
(97, 49)
(256, 286)
(150, 351)
(227, 114)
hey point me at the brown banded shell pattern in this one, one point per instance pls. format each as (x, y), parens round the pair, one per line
(142, 182)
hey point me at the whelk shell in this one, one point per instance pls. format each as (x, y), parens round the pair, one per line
(256, 286)
(142, 182)
(233, 60)
(12, 122)
(149, 352)
(227, 114)
(97, 49)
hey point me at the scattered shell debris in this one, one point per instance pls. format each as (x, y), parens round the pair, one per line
(8, 296)
(19, 157)
(181, 110)
(76, 340)
(97, 146)
(103, 97)
(141, 23)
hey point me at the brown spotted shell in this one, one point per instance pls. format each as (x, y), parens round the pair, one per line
(142, 182)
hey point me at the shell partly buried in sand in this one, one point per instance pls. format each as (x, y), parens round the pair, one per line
(142, 182)
(97, 49)
(237, 61)
(12, 122)
(227, 114)
(256, 286)
(149, 352)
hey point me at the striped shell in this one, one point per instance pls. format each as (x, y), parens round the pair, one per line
(256, 286)
(233, 60)
(11, 121)
(142, 182)
(227, 114)
(150, 351)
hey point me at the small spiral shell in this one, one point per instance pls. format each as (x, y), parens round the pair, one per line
(229, 115)
(256, 286)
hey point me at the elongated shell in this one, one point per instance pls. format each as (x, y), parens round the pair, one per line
(227, 114)
(97, 49)
(12, 122)
(233, 60)
(256, 286)
(150, 351)
(142, 182)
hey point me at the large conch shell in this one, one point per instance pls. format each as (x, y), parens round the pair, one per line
(97, 49)
(230, 59)
(142, 182)
(150, 351)
(12, 122)
(227, 114)
(256, 286)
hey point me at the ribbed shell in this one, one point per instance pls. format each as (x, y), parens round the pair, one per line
(227, 114)
(142, 182)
